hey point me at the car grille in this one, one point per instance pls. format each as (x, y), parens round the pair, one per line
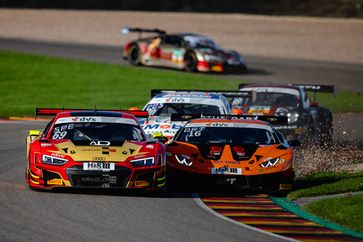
(98, 179)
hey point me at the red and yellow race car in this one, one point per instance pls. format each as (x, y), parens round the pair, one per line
(246, 153)
(98, 149)
(188, 51)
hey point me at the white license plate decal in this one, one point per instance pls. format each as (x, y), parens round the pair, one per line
(98, 166)
(226, 171)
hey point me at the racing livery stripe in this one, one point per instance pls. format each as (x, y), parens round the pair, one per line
(260, 212)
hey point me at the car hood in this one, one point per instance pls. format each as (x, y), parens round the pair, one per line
(67, 149)
(235, 151)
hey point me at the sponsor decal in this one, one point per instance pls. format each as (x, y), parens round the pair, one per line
(175, 100)
(45, 144)
(226, 170)
(98, 158)
(98, 119)
(98, 166)
(286, 127)
(55, 181)
(57, 155)
(162, 126)
(291, 91)
(228, 162)
(230, 124)
(105, 151)
(100, 142)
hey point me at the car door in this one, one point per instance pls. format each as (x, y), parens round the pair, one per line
(172, 51)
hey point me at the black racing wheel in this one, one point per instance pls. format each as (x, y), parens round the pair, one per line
(190, 59)
(134, 56)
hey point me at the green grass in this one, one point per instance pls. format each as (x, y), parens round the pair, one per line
(30, 81)
(346, 211)
(343, 101)
(325, 183)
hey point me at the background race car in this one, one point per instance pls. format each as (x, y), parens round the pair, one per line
(94, 149)
(164, 103)
(192, 52)
(248, 154)
(306, 119)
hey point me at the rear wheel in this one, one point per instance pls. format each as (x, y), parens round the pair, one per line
(190, 61)
(134, 56)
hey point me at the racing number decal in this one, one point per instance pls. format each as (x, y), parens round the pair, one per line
(61, 132)
(59, 135)
(194, 132)
(153, 108)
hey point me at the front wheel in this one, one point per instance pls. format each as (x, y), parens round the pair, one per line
(134, 56)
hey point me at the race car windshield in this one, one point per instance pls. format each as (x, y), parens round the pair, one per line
(181, 108)
(270, 99)
(227, 135)
(201, 42)
(89, 131)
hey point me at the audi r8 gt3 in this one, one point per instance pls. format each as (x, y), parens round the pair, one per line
(249, 154)
(164, 103)
(98, 149)
(307, 120)
(188, 51)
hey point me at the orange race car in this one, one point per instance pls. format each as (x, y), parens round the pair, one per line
(237, 150)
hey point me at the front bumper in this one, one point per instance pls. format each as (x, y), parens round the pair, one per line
(278, 181)
(148, 178)
(204, 66)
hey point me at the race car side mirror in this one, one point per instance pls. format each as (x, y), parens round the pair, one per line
(33, 134)
(161, 139)
(294, 142)
(314, 104)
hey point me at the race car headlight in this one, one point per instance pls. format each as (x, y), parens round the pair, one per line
(46, 159)
(292, 117)
(149, 161)
(269, 163)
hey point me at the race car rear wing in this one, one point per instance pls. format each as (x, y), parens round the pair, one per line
(273, 120)
(226, 93)
(126, 30)
(55, 111)
(308, 87)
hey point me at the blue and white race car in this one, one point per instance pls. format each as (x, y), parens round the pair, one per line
(164, 103)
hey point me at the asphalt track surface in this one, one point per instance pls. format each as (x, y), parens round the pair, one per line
(261, 69)
(87, 215)
(28, 215)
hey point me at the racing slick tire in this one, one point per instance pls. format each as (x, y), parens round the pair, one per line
(190, 60)
(134, 56)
